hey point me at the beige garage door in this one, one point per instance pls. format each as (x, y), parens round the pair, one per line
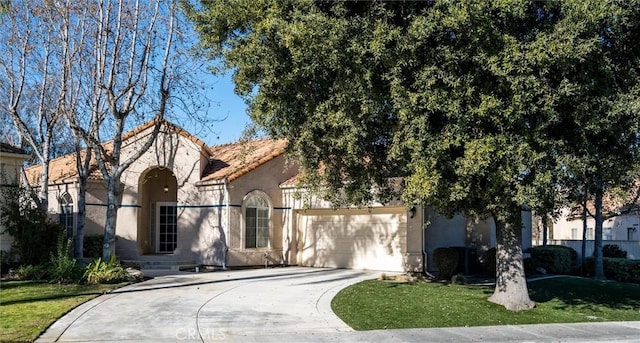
(359, 239)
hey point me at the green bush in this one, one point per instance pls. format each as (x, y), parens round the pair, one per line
(29, 226)
(555, 259)
(99, 271)
(618, 269)
(92, 246)
(8, 261)
(488, 262)
(63, 267)
(446, 260)
(613, 250)
(529, 267)
(29, 272)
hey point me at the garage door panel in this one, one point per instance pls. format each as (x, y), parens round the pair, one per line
(359, 241)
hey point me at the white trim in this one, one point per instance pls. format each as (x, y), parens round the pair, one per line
(157, 226)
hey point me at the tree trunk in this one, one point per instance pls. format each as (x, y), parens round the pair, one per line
(113, 190)
(545, 229)
(511, 285)
(597, 242)
(584, 234)
(81, 215)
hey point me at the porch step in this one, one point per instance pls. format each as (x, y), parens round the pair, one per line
(166, 264)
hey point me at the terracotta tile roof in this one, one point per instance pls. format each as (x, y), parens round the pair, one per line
(8, 148)
(64, 167)
(231, 161)
(172, 127)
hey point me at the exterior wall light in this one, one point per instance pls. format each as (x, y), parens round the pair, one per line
(412, 211)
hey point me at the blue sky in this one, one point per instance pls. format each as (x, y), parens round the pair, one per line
(227, 115)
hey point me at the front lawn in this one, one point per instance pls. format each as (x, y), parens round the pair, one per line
(374, 304)
(27, 308)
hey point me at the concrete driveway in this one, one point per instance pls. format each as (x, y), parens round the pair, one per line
(274, 305)
(249, 305)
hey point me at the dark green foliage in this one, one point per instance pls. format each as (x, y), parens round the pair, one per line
(8, 260)
(529, 267)
(31, 229)
(92, 246)
(488, 261)
(619, 269)
(446, 261)
(63, 267)
(99, 271)
(614, 251)
(554, 259)
(480, 106)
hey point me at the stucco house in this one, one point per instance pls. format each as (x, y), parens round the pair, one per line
(239, 205)
(11, 161)
(568, 226)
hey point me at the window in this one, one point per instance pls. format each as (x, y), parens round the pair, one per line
(590, 234)
(607, 233)
(574, 233)
(65, 217)
(256, 216)
(631, 233)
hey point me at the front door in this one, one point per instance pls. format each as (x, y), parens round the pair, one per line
(166, 227)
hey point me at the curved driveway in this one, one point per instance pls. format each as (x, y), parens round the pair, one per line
(275, 304)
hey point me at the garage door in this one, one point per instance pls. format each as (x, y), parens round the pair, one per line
(360, 239)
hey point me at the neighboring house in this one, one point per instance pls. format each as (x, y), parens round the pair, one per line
(11, 161)
(569, 226)
(238, 205)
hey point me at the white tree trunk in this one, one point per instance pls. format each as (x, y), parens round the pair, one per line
(511, 285)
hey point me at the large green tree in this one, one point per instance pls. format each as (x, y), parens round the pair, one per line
(461, 99)
(598, 103)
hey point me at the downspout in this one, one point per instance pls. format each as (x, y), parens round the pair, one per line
(424, 225)
(228, 228)
(423, 228)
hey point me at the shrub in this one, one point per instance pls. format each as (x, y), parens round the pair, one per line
(29, 226)
(29, 272)
(553, 258)
(7, 261)
(446, 260)
(618, 269)
(63, 267)
(488, 261)
(529, 267)
(92, 246)
(99, 271)
(613, 250)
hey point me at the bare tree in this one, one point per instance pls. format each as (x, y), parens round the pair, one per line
(135, 68)
(34, 78)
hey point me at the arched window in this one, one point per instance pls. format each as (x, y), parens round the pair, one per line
(256, 215)
(65, 218)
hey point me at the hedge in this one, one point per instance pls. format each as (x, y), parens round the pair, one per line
(446, 260)
(555, 259)
(618, 269)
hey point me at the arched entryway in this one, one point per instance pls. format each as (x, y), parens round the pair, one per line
(157, 222)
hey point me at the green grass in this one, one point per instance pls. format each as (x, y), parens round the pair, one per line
(27, 308)
(374, 304)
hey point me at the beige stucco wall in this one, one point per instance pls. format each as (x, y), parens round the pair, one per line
(266, 179)
(181, 159)
(10, 165)
(614, 229)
